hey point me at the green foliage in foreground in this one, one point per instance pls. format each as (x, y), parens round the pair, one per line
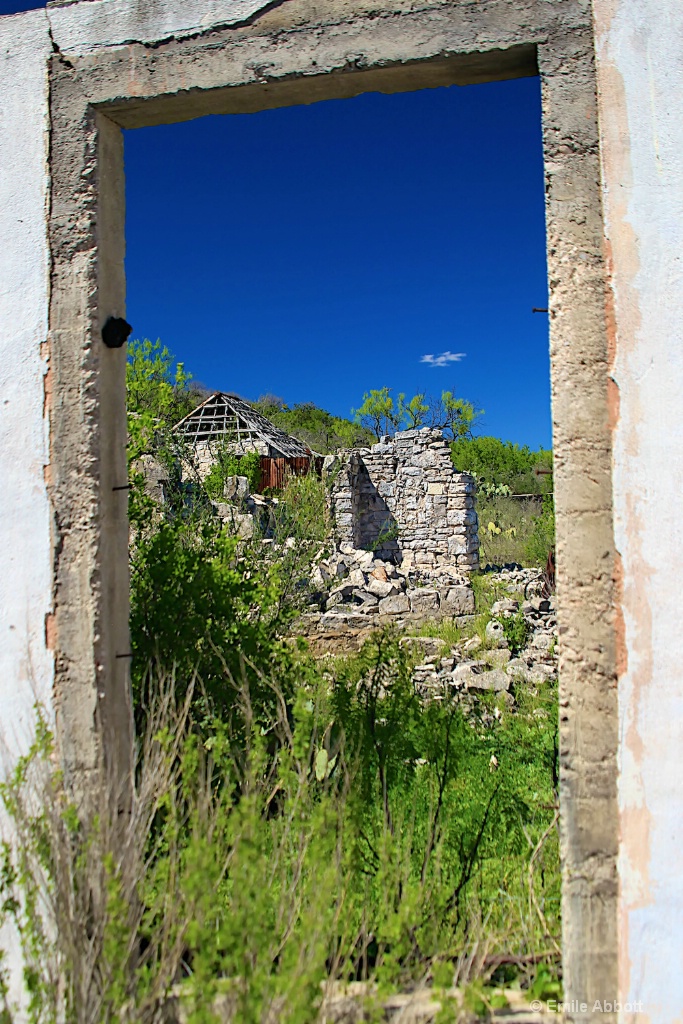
(290, 824)
(357, 833)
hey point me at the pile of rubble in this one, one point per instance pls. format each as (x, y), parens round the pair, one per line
(477, 665)
(356, 592)
(365, 585)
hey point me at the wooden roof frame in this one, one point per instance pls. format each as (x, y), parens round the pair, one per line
(223, 414)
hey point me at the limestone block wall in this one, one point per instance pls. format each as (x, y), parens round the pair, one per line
(403, 499)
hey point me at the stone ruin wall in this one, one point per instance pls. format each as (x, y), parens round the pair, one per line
(403, 499)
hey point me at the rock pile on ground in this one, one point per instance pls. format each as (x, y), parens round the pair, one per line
(361, 584)
(476, 666)
(356, 593)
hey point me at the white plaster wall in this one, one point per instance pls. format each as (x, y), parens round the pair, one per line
(639, 48)
(80, 27)
(25, 557)
(25, 551)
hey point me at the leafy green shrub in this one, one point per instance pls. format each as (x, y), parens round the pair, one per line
(516, 630)
(228, 464)
(302, 511)
(498, 463)
(202, 605)
(353, 831)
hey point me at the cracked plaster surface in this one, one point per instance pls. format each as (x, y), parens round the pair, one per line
(81, 27)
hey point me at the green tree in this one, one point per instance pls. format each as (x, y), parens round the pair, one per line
(317, 428)
(502, 464)
(158, 392)
(414, 412)
(378, 412)
(455, 416)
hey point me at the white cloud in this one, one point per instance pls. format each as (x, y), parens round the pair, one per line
(444, 359)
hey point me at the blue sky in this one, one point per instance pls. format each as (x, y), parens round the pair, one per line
(317, 252)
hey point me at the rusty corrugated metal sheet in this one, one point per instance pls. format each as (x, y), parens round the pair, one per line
(274, 472)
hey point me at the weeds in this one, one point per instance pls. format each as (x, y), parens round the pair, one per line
(516, 630)
(515, 530)
(357, 833)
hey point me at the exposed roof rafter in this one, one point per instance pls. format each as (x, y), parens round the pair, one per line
(225, 415)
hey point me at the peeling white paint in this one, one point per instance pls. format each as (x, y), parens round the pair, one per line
(80, 27)
(25, 551)
(639, 47)
(25, 556)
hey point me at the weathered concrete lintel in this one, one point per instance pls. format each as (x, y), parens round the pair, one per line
(465, 69)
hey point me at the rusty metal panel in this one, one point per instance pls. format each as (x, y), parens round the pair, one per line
(274, 472)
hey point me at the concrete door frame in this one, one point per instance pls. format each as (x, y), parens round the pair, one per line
(283, 54)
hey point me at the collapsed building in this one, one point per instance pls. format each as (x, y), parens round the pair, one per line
(403, 499)
(225, 419)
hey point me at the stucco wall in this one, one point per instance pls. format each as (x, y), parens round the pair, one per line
(25, 556)
(25, 549)
(639, 47)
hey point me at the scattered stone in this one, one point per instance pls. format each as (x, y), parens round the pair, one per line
(505, 607)
(518, 669)
(494, 680)
(397, 604)
(494, 631)
(542, 641)
(429, 646)
(340, 593)
(359, 558)
(424, 602)
(458, 600)
(241, 523)
(463, 672)
(498, 658)
(356, 578)
(236, 489)
(381, 588)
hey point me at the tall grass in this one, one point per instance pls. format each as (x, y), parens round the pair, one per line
(359, 834)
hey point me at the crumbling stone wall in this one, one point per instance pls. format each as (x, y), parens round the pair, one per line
(403, 499)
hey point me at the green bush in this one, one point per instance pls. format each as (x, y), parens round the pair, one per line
(301, 511)
(228, 464)
(516, 630)
(204, 606)
(498, 463)
(354, 831)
